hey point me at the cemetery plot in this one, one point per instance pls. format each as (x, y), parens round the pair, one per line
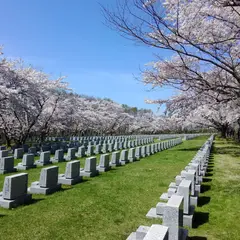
(111, 205)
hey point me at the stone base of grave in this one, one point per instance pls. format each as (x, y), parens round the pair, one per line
(88, 174)
(103, 169)
(3, 171)
(36, 189)
(152, 213)
(198, 188)
(68, 181)
(164, 197)
(21, 167)
(41, 164)
(69, 159)
(132, 160)
(139, 234)
(188, 218)
(114, 164)
(16, 202)
(56, 160)
(124, 162)
(193, 201)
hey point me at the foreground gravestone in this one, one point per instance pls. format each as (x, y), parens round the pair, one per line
(48, 182)
(115, 160)
(72, 174)
(27, 162)
(15, 191)
(173, 218)
(44, 159)
(18, 153)
(7, 165)
(104, 163)
(90, 168)
(188, 211)
(58, 157)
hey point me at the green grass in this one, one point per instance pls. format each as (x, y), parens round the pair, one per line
(218, 215)
(109, 206)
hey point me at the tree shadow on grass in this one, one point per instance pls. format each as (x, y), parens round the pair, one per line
(200, 218)
(231, 150)
(203, 201)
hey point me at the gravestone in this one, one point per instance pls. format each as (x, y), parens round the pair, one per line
(72, 174)
(48, 182)
(81, 152)
(32, 150)
(15, 191)
(58, 157)
(104, 148)
(148, 151)
(138, 154)
(188, 211)
(7, 165)
(27, 162)
(97, 149)
(173, 218)
(131, 155)
(115, 160)
(90, 150)
(124, 157)
(44, 159)
(18, 153)
(143, 151)
(3, 153)
(104, 163)
(71, 154)
(90, 168)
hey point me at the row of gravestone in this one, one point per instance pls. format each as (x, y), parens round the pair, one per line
(15, 191)
(183, 136)
(121, 138)
(176, 208)
(7, 162)
(53, 146)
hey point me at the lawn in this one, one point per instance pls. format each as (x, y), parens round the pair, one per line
(109, 206)
(218, 213)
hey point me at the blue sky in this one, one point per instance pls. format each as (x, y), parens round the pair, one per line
(69, 38)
